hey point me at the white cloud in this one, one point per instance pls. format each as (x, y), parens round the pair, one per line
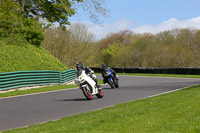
(169, 25)
(123, 24)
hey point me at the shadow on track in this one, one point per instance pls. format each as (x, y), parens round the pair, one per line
(77, 99)
(74, 99)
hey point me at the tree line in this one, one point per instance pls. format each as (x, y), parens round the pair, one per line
(173, 48)
(167, 49)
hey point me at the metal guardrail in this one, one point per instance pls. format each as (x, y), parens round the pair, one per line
(67, 76)
(19, 79)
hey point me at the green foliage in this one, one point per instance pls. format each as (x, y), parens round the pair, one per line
(110, 52)
(14, 27)
(9, 18)
(51, 10)
(168, 56)
(20, 18)
(32, 31)
(174, 48)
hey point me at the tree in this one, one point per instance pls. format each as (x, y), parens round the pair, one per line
(95, 8)
(111, 52)
(9, 19)
(51, 10)
(166, 37)
(14, 27)
(72, 46)
(79, 33)
(60, 10)
(123, 37)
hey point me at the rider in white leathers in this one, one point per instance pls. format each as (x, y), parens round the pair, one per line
(88, 71)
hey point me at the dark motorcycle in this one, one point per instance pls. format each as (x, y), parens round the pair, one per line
(111, 80)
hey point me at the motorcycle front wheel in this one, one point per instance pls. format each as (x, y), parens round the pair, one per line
(87, 93)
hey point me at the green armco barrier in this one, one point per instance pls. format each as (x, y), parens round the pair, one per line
(11, 80)
(67, 76)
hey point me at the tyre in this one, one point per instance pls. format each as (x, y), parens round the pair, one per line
(87, 93)
(116, 83)
(110, 83)
(100, 94)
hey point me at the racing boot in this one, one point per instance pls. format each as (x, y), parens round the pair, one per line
(117, 78)
(97, 85)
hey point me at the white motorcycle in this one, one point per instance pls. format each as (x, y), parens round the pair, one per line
(88, 85)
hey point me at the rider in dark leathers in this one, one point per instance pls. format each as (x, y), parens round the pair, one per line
(105, 69)
(88, 71)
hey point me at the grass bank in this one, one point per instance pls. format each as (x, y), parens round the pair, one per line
(173, 112)
(24, 57)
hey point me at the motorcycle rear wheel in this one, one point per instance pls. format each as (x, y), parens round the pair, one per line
(116, 83)
(100, 94)
(87, 93)
(110, 83)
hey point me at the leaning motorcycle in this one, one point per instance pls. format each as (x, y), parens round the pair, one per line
(88, 85)
(111, 80)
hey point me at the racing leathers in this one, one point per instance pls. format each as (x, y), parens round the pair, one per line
(90, 73)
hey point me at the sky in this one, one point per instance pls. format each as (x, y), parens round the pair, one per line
(141, 16)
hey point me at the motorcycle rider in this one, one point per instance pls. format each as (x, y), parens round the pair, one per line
(105, 69)
(88, 71)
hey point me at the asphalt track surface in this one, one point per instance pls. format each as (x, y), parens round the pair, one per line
(21, 111)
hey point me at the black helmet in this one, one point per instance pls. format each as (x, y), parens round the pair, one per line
(79, 65)
(104, 66)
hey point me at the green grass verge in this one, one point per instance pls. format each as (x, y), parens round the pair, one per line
(168, 113)
(160, 75)
(36, 90)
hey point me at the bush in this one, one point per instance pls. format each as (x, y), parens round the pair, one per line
(32, 31)
(14, 27)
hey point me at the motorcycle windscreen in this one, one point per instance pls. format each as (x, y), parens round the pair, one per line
(79, 72)
(108, 71)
